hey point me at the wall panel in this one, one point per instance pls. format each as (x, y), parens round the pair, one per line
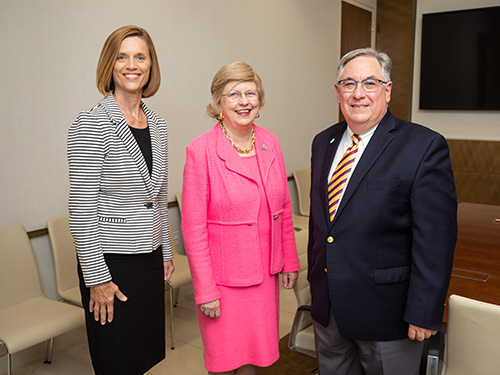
(476, 166)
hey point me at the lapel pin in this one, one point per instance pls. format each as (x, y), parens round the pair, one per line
(264, 147)
(333, 139)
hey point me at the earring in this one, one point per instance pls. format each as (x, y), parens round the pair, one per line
(221, 116)
(258, 115)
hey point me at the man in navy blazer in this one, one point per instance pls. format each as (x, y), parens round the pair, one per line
(379, 272)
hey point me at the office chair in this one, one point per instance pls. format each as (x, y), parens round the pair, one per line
(27, 317)
(63, 250)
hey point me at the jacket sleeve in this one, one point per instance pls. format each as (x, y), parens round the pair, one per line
(434, 214)
(165, 222)
(86, 152)
(163, 200)
(194, 217)
(290, 258)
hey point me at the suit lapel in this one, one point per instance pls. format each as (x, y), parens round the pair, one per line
(226, 152)
(378, 143)
(264, 149)
(123, 131)
(156, 148)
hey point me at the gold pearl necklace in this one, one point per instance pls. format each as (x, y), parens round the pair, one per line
(240, 150)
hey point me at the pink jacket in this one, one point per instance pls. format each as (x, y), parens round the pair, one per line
(220, 204)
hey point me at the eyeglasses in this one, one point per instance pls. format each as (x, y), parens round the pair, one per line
(235, 96)
(369, 84)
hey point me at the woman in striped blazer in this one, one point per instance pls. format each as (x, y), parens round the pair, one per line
(117, 153)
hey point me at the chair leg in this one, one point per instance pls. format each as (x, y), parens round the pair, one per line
(5, 352)
(9, 365)
(176, 296)
(48, 350)
(172, 342)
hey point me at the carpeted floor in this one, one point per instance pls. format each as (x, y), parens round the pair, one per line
(290, 363)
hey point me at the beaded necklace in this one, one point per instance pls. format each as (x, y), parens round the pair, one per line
(240, 150)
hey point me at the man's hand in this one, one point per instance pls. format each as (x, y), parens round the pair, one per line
(419, 333)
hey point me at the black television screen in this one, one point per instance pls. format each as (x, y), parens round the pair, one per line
(460, 61)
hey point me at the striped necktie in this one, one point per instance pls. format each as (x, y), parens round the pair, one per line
(338, 181)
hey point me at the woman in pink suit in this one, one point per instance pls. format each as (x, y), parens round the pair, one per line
(237, 227)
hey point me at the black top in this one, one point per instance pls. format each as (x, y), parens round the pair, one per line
(143, 139)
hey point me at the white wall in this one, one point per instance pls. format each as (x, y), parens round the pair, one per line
(49, 55)
(478, 125)
(47, 70)
(47, 73)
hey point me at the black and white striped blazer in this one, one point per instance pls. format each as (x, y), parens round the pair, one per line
(115, 206)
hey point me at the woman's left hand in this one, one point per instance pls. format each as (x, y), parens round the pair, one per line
(168, 268)
(290, 279)
(211, 309)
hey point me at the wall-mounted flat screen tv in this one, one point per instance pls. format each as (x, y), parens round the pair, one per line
(460, 63)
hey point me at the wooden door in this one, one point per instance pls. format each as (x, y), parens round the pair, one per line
(356, 28)
(395, 27)
(356, 31)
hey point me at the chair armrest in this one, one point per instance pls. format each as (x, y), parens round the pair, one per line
(302, 326)
(3, 349)
(433, 351)
(304, 308)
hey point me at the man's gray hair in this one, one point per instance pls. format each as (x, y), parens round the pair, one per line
(383, 59)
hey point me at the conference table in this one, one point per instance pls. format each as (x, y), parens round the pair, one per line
(476, 266)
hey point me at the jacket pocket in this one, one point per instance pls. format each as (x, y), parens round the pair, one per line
(383, 185)
(107, 219)
(391, 275)
(235, 254)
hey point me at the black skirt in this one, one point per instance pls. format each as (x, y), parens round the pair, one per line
(135, 340)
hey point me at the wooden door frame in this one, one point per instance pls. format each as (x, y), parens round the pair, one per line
(370, 9)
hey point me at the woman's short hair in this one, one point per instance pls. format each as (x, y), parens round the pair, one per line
(109, 54)
(238, 72)
(383, 59)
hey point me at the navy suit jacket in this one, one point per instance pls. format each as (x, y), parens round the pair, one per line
(385, 261)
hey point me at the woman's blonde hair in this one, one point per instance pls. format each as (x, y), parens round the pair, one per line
(109, 54)
(237, 71)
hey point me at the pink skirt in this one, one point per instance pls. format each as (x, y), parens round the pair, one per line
(247, 331)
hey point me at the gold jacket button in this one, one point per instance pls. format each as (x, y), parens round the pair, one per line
(329, 239)
(326, 270)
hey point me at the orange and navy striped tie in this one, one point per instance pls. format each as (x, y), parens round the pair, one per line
(338, 181)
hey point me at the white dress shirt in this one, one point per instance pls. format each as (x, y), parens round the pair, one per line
(345, 143)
